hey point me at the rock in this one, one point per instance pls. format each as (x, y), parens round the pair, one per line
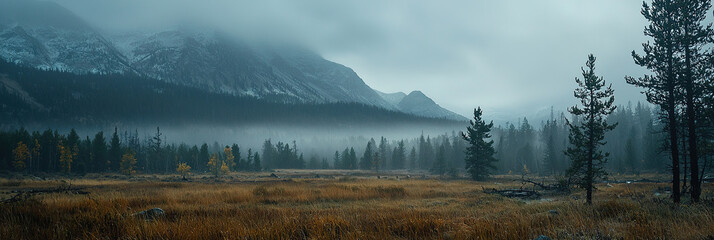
(542, 237)
(553, 211)
(151, 214)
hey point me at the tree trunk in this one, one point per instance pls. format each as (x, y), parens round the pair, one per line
(692, 128)
(672, 125)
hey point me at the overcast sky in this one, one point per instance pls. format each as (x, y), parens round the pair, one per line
(513, 58)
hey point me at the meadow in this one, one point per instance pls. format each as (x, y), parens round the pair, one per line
(341, 205)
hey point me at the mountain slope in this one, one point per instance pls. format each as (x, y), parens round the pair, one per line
(61, 98)
(47, 36)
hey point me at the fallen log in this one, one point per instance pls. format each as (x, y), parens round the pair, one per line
(514, 193)
(21, 195)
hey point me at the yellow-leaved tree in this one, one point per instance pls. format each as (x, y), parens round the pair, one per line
(224, 168)
(21, 154)
(128, 161)
(214, 165)
(184, 169)
(66, 157)
(229, 157)
(34, 154)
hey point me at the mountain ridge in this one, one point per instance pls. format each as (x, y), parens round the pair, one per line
(208, 60)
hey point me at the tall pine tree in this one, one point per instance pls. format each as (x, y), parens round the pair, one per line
(479, 153)
(588, 161)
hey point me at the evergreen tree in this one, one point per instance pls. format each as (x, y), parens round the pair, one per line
(439, 166)
(662, 88)
(413, 158)
(399, 155)
(269, 155)
(314, 162)
(479, 154)
(324, 164)
(203, 155)
(587, 159)
(695, 35)
(238, 161)
(257, 165)
(338, 160)
(156, 153)
(384, 153)
(115, 151)
(99, 153)
(368, 156)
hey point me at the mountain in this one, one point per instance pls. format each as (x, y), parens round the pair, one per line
(392, 98)
(30, 96)
(419, 104)
(47, 36)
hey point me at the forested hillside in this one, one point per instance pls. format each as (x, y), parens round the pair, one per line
(31, 96)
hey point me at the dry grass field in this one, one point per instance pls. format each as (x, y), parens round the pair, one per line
(337, 206)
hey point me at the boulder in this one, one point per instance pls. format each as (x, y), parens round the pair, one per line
(151, 214)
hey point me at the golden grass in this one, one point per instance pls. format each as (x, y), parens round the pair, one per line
(357, 208)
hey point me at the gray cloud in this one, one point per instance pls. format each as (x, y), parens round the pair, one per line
(513, 58)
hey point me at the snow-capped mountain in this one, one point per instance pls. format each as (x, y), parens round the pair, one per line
(48, 36)
(45, 35)
(419, 104)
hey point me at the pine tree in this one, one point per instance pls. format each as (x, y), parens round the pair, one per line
(587, 159)
(324, 164)
(368, 156)
(238, 162)
(337, 160)
(479, 154)
(257, 165)
(203, 155)
(695, 35)
(115, 152)
(99, 153)
(352, 159)
(413, 158)
(384, 153)
(156, 153)
(439, 166)
(399, 155)
(662, 88)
